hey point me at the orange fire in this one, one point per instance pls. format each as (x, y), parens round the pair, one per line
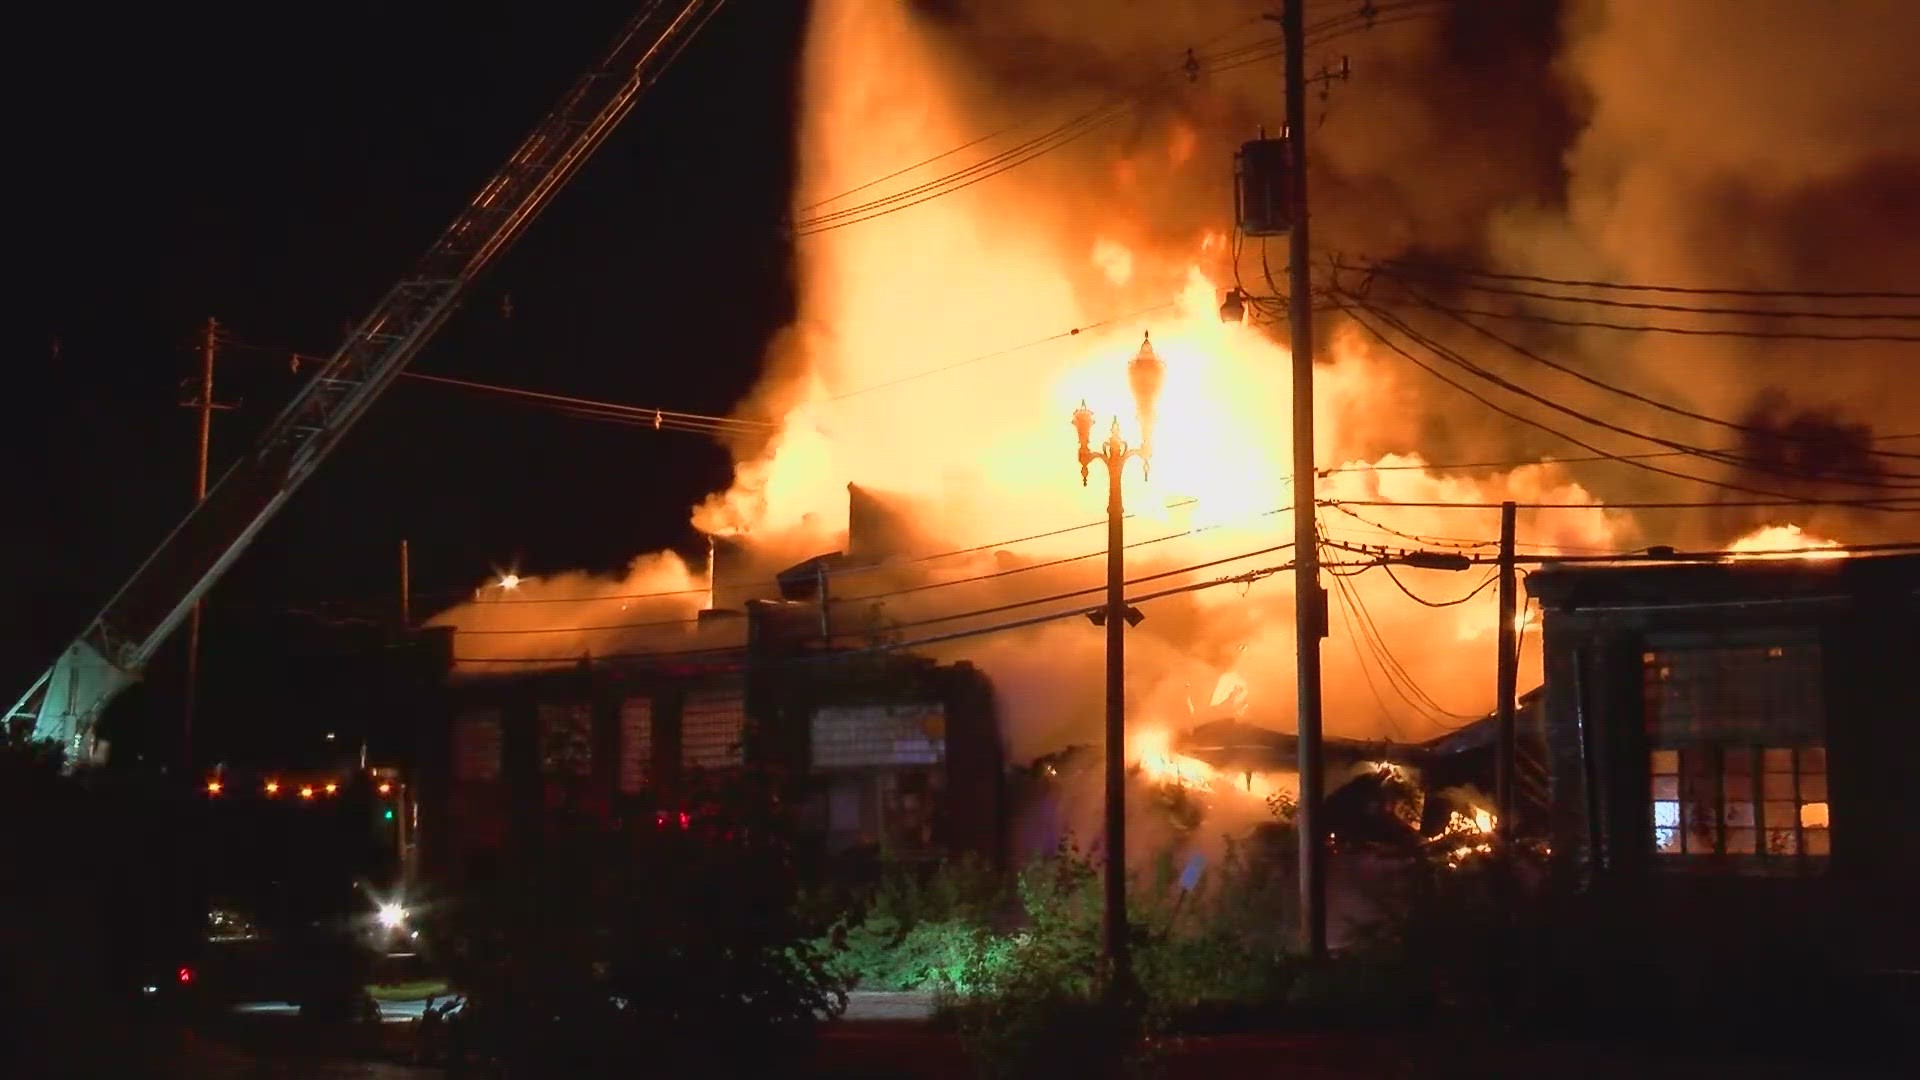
(1467, 835)
(940, 352)
(1784, 542)
(1163, 766)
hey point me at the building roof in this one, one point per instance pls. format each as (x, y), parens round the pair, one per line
(1567, 586)
(1480, 734)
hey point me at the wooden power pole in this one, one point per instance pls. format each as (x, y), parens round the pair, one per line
(1506, 677)
(1310, 602)
(406, 590)
(203, 403)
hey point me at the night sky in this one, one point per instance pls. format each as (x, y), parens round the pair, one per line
(280, 173)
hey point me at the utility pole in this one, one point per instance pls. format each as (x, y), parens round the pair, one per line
(406, 589)
(1506, 678)
(1310, 602)
(203, 402)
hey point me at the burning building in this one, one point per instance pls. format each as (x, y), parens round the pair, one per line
(895, 753)
(1730, 743)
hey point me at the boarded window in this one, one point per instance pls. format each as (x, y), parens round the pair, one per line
(476, 745)
(566, 737)
(636, 744)
(1738, 761)
(879, 736)
(712, 727)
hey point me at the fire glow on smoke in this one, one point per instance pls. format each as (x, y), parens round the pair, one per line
(933, 359)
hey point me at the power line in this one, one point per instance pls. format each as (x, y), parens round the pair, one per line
(831, 573)
(1683, 309)
(869, 598)
(1015, 605)
(957, 635)
(1081, 125)
(1691, 331)
(1423, 601)
(1679, 290)
(1877, 478)
(1453, 358)
(1729, 504)
(1070, 332)
(648, 415)
(1401, 680)
(992, 135)
(1513, 463)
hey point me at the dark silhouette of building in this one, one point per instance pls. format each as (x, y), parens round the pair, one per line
(1732, 746)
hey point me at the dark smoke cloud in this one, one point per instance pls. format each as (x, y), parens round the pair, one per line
(1763, 144)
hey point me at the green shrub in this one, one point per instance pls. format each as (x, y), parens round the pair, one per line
(919, 929)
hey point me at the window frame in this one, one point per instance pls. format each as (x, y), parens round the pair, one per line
(1667, 755)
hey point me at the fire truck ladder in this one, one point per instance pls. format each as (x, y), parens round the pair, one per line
(65, 702)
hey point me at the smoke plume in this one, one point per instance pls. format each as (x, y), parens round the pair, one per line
(944, 342)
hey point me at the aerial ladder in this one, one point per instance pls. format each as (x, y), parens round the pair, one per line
(65, 703)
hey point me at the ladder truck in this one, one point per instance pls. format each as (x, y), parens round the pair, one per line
(64, 704)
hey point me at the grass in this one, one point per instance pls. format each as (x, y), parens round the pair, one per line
(409, 991)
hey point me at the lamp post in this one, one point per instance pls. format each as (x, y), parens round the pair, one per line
(1144, 374)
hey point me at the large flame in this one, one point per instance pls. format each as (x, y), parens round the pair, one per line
(1784, 542)
(940, 351)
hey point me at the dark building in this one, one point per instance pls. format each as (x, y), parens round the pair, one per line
(1732, 748)
(1467, 759)
(895, 754)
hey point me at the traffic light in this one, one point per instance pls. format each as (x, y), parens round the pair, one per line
(387, 814)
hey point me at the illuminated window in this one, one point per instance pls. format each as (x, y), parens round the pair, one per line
(1738, 765)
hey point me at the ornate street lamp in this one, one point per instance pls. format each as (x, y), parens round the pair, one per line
(1145, 374)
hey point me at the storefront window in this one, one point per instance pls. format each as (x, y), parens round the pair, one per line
(1738, 762)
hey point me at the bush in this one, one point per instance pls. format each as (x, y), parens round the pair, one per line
(919, 928)
(645, 953)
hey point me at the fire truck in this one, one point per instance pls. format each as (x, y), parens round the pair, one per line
(296, 889)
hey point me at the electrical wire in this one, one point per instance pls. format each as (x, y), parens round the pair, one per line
(832, 574)
(655, 416)
(1075, 331)
(1360, 661)
(1632, 395)
(1251, 575)
(1522, 462)
(1424, 602)
(1728, 504)
(1691, 331)
(1366, 17)
(1447, 355)
(1397, 676)
(1510, 386)
(1678, 290)
(1681, 309)
(873, 597)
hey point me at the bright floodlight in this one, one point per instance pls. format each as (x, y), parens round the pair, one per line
(509, 582)
(392, 915)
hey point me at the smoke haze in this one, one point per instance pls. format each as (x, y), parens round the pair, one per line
(943, 345)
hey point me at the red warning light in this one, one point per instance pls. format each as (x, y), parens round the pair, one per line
(684, 820)
(185, 975)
